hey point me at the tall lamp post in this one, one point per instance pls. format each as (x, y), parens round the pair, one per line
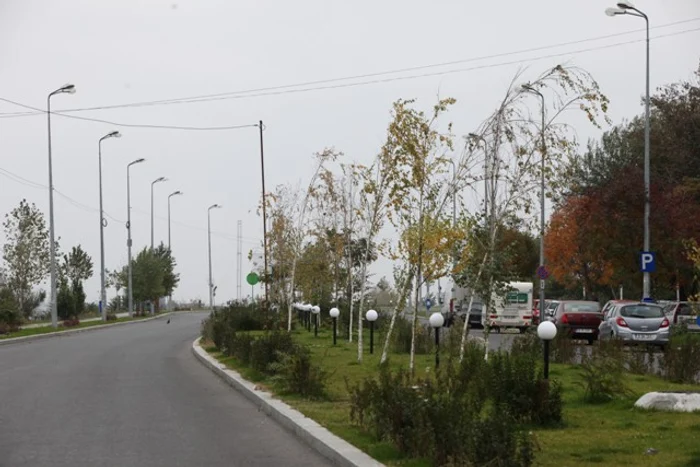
(627, 8)
(371, 316)
(334, 314)
(546, 331)
(67, 89)
(174, 193)
(543, 151)
(315, 310)
(436, 322)
(211, 283)
(128, 233)
(103, 224)
(157, 180)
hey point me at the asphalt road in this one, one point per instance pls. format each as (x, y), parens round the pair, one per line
(131, 396)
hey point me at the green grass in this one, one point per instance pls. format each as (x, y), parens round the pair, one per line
(608, 434)
(49, 329)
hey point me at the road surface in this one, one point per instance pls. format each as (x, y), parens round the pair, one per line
(131, 396)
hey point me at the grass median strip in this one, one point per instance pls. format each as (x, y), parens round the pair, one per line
(51, 330)
(612, 433)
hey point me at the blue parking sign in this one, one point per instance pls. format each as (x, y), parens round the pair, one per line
(647, 261)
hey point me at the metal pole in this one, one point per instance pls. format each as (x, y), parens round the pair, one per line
(128, 241)
(646, 280)
(52, 241)
(103, 295)
(170, 196)
(211, 297)
(437, 348)
(546, 360)
(544, 154)
(371, 337)
(315, 325)
(264, 208)
(335, 330)
(152, 183)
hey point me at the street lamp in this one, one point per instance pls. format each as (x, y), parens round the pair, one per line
(546, 331)
(307, 316)
(436, 322)
(627, 8)
(371, 316)
(211, 283)
(103, 224)
(334, 314)
(67, 89)
(128, 233)
(174, 193)
(543, 151)
(315, 310)
(157, 180)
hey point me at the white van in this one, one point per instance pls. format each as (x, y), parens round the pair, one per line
(514, 310)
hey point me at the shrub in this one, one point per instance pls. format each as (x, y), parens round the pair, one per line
(431, 418)
(682, 357)
(402, 336)
(528, 344)
(69, 323)
(640, 362)
(296, 373)
(563, 350)
(266, 349)
(111, 317)
(602, 377)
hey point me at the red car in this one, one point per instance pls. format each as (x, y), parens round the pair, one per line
(578, 319)
(536, 310)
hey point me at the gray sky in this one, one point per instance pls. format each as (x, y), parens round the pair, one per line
(126, 51)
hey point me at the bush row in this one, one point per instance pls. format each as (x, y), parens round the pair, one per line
(272, 354)
(471, 413)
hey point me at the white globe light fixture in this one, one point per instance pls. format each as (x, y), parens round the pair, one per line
(546, 331)
(371, 316)
(436, 321)
(334, 312)
(315, 310)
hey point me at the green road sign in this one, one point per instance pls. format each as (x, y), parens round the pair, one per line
(252, 278)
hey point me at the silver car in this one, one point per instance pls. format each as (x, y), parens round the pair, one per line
(638, 323)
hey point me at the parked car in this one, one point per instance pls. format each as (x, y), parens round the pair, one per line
(578, 319)
(682, 312)
(639, 322)
(536, 310)
(611, 303)
(550, 309)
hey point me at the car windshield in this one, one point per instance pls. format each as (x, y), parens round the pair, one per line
(642, 311)
(582, 308)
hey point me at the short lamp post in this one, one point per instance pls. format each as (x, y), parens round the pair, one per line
(334, 314)
(436, 322)
(307, 316)
(371, 316)
(315, 310)
(546, 331)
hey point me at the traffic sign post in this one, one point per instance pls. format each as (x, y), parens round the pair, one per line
(542, 272)
(647, 261)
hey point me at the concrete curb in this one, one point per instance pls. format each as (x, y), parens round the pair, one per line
(48, 335)
(335, 449)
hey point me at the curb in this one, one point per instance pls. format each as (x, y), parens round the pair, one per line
(48, 335)
(333, 448)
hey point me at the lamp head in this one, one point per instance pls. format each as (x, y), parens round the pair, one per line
(371, 316)
(175, 193)
(546, 330)
(68, 89)
(625, 5)
(614, 11)
(315, 309)
(437, 320)
(334, 312)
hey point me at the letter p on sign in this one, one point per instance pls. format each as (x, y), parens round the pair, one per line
(647, 260)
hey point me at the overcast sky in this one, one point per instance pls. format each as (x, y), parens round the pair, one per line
(126, 51)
